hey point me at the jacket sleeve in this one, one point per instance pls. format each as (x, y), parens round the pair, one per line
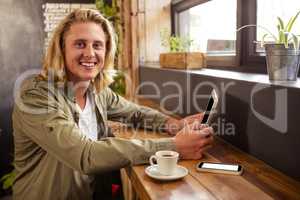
(40, 116)
(122, 110)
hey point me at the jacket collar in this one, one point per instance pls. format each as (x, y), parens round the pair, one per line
(69, 90)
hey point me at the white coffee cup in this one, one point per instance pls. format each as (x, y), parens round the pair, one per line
(166, 161)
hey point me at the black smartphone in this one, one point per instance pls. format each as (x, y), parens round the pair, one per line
(211, 106)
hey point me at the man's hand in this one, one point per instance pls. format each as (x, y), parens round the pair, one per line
(197, 118)
(191, 141)
(173, 126)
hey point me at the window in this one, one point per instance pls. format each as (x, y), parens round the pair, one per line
(212, 24)
(212, 27)
(283, 8)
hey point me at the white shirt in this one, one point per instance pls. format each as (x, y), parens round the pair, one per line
(88, 126)
(88, 120)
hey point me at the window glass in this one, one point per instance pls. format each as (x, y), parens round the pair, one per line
(267, 12)
(211, 26)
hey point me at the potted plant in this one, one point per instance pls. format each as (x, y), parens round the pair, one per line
(282, 54)
(178, 55)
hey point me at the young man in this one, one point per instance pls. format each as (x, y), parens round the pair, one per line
(59, 120)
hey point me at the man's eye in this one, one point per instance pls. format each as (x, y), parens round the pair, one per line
(79, 45)
(98, 46)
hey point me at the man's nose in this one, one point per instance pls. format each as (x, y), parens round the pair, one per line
(89, 51)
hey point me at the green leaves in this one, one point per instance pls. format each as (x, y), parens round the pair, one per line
(109, 11)
(280, 23)
(175, 43)
(291, 22)
(284, 35)
(119, 84)
(8, 180)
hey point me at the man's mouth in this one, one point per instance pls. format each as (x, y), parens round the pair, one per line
(88, 65)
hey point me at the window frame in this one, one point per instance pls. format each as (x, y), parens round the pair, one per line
(246, 55)
(248, 36)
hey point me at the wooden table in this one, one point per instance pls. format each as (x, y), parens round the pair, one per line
(259, 181)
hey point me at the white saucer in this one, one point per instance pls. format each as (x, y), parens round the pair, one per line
(152, 171)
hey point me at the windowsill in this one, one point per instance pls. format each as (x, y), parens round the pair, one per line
(228, 74)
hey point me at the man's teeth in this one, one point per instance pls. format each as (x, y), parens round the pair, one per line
(88, 64)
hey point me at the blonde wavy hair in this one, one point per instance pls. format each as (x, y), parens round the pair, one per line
(54, 61)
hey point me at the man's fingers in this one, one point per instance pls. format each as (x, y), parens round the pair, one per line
(197, 155)
(205, 147)
(193, 118)
(204, 142)
(192, 143)
(197, 116)
(206, 132)
(202, 126)
(196, 125)
(201, 133)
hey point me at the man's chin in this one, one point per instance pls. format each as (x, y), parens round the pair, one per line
(88, 78)
(84, 79)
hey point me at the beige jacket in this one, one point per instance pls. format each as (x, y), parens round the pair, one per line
(49, 146)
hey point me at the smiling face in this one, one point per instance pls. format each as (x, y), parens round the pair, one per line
(84, 51)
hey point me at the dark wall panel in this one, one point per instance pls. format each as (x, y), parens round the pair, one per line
(21, 49)
(21, 44)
